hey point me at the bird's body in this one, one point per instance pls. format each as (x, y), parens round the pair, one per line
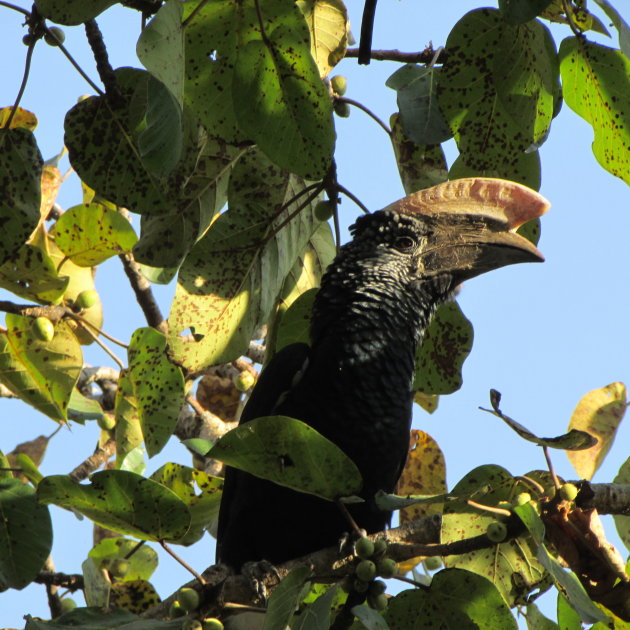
(353, 385)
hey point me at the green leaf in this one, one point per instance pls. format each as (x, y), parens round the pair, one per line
(574, 440)
(519, 11)
(121, 501)
(328, 24)
(280, 101)
(537, 621)
(81, 408)
(455, 599)
(161, 48)
(566, 581)
(596, 86)
(128, 429)
(446, 344)
(72, 12)
(211, 36)
(285, 599)
(97, 586)
(420, 166)
(32, 274)
(204, 507)
(623, 522)
(142, 563)
(160, 141)
(166, 239)
(316, 615)
(295, 323)
(416, 94)
(503, 79)
(511, 565)
(290, 453)
(369, 618)
(42, 373)
(25, 534)
(90, 234)
(20, 193)
(568, 618)
(158, 387)
(599, 412)
(620, 24)
(229, 283)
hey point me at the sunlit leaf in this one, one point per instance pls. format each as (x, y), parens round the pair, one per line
(121, 501)
(22, 118)
(25, 534)
(599, 413)
(158, 387)
(512, 565)
(90, 234)
(42, 373)
(596, 85)
(128, 430)
(290, 453)
(623, 522)
(620, 24)
(142, 562)
(327, 22)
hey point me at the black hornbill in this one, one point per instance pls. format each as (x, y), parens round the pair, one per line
(353, 383)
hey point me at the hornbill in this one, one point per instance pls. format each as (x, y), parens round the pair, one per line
(353, 383)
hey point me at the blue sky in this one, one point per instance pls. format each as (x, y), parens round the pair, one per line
(544, 334)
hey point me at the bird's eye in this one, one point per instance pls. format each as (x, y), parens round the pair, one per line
(404, 243)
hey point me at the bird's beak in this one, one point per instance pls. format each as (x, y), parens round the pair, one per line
(473, 224)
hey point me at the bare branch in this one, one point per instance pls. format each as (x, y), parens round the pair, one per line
(426, 56)
(142, 288)
(94, 461)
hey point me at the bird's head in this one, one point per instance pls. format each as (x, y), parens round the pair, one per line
(451, 232)
(415, 252)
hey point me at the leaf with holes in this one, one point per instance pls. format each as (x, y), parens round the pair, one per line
(512, 565)
(204, 507)
(599, 413)
(446, 344)
(90, 234)
(328, 24)
(20, 189)
(279, 99)
(121, 501)
(596, 85)
(158, 387)
(25, 535)
(42, 373)
(292, 454)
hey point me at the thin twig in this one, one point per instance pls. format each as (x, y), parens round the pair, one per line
(182, 562)
(369, 112)
(80, 70)
(396, 55)
(85, 322)
(94, 461)
(133, 550)
(356, 200)
(8, 5)
(489, 508)
(27, 69)
(344, 510)
(144, 295)
(556, 483)
(120, 364)
(567, 11)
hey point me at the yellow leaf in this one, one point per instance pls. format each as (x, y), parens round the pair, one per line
(599, 413)
(23, 118)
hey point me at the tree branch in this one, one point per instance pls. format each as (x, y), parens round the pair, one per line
(94, 461)
(72, 582)
(425, 56)
(144, 295)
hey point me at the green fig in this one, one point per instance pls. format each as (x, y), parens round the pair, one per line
(339, 84)
(86, 299)
(43, 328)
(54, 36)
(496, 532)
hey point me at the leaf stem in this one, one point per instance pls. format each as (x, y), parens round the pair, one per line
(356, 200)
(84, 321)
(121, 365)
(27, 69)
(8, 5)
(556, 483)
(369, 112)
(181, 561)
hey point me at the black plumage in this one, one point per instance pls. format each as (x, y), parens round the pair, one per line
(353, 384)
